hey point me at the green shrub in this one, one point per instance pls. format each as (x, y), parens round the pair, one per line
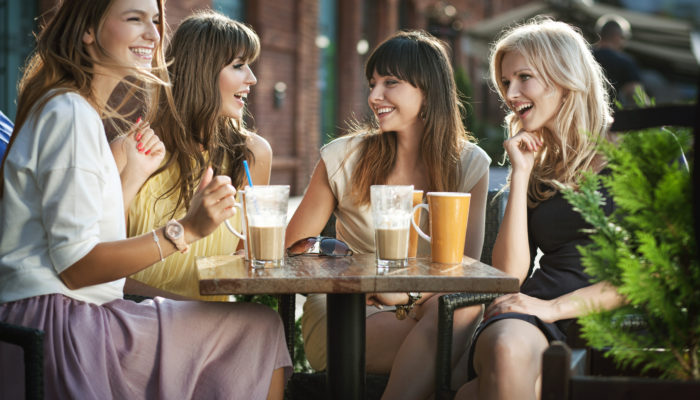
(647, 249)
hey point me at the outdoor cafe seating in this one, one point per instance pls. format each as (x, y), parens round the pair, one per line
(556, 379)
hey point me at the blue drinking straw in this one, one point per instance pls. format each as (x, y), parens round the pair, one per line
(250, 182)
(247, 173)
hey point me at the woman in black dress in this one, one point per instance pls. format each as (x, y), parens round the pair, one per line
(554, 89)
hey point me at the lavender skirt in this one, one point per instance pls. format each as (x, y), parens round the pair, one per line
(157, 349)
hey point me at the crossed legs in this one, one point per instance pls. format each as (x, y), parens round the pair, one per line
(508, 362)
(407, 348)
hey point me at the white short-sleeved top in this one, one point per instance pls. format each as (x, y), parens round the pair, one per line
(354, 224)
(62, 196)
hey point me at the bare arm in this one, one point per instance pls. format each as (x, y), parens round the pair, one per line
(598, 296)
(137, 155)
(315, 208)
(601, 295)
(511, 251)
(260, 169)
(477, 215)
(109, 261)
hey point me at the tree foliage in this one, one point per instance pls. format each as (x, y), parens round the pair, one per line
(646, 248)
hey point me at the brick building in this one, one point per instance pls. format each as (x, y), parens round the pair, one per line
(310, 72)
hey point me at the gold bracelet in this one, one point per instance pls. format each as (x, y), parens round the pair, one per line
(402, 310)
(155, 239)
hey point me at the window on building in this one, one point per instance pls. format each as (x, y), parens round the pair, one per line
(327, 43)
(234, 9)
(17, 22)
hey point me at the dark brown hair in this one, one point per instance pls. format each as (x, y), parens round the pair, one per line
(197, 134)
(423, 61)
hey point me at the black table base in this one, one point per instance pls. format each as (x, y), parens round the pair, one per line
(346, 346)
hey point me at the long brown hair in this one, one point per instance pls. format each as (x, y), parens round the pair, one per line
(562, 57)
(200, 48)
(423, 61)
(61, 61)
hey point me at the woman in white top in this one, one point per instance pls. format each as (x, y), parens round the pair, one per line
(63, 251)
(418, 140)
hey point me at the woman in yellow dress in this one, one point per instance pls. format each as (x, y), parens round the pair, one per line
(211, 77)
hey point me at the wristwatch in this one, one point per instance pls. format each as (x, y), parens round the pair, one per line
(403, 310)
(175, 233)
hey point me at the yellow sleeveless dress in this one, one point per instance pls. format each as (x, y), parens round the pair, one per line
(178, 272)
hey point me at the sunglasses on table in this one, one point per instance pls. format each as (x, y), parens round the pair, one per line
(320, 246)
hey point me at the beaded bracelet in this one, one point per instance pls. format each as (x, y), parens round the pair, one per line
(155, 239)
(402, 310)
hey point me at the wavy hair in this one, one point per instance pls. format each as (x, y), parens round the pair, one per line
(61, 62)
(563, 58)
(423, 61)
(197, 134)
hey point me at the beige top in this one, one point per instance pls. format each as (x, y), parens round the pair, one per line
(354, 224)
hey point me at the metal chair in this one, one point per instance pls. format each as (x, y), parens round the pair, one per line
(32, 343)
(448, 303)
(562, 380)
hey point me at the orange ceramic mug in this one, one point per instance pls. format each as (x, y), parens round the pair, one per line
(448, 213)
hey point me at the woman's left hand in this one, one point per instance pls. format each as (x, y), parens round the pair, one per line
(386, 299)
(524, 304)
(139, 153)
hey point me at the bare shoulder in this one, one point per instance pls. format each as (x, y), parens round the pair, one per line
(259, 145)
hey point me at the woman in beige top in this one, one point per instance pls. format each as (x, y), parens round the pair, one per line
(417, 139)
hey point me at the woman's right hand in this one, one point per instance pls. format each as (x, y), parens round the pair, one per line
(212, 204)
(521, 150)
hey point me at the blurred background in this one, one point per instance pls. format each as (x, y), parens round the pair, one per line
(310, 72)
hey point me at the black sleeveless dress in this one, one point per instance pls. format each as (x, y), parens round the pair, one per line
(556, 229)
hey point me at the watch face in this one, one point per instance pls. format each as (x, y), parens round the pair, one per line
(174, 230)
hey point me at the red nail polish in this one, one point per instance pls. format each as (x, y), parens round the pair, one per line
(138, 120)
(148, 152)
(139, 146)
(138, 136)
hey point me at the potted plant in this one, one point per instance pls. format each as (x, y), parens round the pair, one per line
(647, 249)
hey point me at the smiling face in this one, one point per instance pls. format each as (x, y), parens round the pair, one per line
(527, 94)
(395, 103)
(129, 34)
(235, 80)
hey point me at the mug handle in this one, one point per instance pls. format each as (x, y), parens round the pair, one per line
(413, 221)
(230, 228)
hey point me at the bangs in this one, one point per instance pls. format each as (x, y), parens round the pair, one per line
(225, 39)
(246, 44)
(399, 58)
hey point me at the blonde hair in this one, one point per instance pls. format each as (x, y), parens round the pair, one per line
(423, 61)
(562, 57)
(61, 62)
(200, 48)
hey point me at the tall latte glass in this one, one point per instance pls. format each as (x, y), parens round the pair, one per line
(391, 212)
(266, 209)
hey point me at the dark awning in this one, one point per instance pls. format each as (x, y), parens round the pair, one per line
(657, 42)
